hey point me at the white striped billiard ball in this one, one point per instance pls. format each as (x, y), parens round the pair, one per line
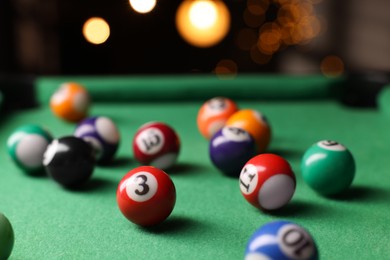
(156, 144)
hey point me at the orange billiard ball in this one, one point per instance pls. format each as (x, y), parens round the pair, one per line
(70, 102)
(213, 114)
(255, 124)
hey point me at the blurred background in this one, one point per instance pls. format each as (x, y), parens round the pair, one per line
(72, 37)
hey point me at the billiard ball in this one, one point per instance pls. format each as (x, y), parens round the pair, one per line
(230, 148)
(146, 196)
(156, 144)
(254, 123)
(267, 181)
(70, 102)
(213, 114)
(69, 161)
(7, 237)
(282, 240)
(26, 146)
(102, 133)
(328, 167)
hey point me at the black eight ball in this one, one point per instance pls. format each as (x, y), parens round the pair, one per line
(69, 160)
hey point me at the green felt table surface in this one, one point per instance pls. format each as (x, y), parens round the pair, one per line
(211, 219)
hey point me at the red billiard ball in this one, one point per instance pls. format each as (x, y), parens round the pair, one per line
(156, 144)
(267, 181)
(213, 115)
(146, 196)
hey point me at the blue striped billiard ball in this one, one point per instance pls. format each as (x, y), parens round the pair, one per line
(281, 240)
(230, 148)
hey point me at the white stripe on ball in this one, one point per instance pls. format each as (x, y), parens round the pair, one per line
(276, 191)
(107, 130)
(30, 150)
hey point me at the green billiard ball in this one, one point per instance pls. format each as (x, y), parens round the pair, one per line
(26, 147)
(6, 237)
(328, 167)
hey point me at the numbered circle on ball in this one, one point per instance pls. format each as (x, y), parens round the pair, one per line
(217, 105)
(248, 179)
(331, 145)
(235, 134)
(295, 242)
(141, 186)
(150, 141)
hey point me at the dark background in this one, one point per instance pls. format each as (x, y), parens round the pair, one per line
(43, 37)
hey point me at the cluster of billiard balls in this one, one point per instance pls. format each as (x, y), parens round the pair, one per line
(234, 135)
(146, 195)
(237, 147)
(70, 160)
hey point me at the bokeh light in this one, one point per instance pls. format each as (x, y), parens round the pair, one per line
(96, 30)
(203, 23)
(280, 23)
(203, 14)
(226, 69)
(269, 38)
(332, 66)
(142, 6)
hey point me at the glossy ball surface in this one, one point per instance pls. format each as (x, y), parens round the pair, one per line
(102, 133)
(230, 148)
(70, 102)
(156, 144)
(213, 114)
(282, 240)
(328, 167)
(26, 147)
(7, 237)
(69, 161)
(255, 124)
(267, 182)
(146, 196)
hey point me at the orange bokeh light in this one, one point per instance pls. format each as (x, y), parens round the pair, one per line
(332, 66)
(203, 23)
(226, 69)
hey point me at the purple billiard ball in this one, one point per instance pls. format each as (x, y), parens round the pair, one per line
(230, 148)
(102, 134)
